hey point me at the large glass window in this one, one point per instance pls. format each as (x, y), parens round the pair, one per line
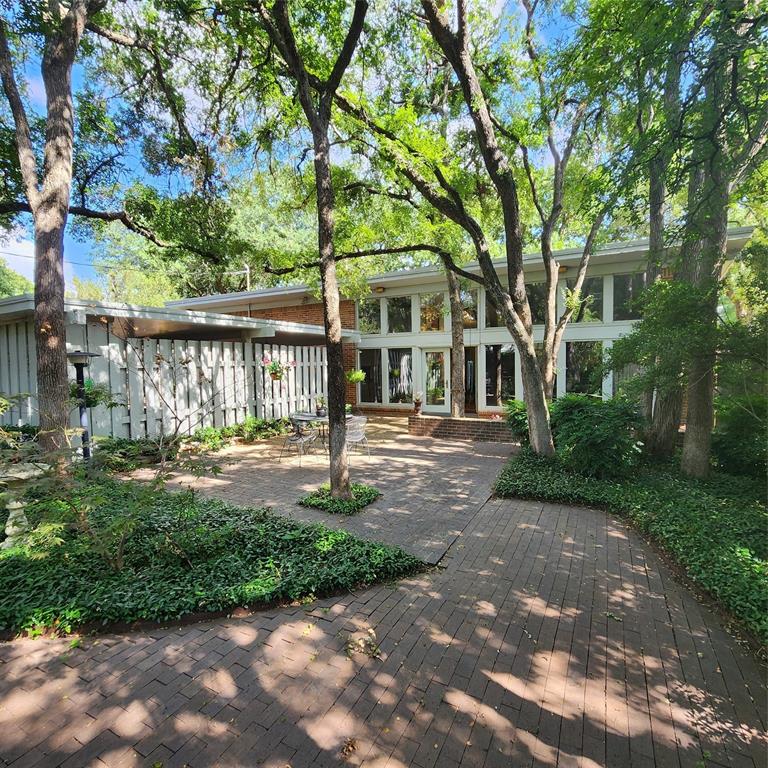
(591, 307)
(432, 311)
(583, 365)
(626, 289)
(469, 307)
(499, 373)
(369, 315)
(370, 365)
(537, 299)
(400, 363)
(399, 313)
(492, 316)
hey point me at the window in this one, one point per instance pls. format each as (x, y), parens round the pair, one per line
(591, 307)
(469, 306)
(537, 299)
(369, 315)
(399, 313)
(400, 363)
(370, 364)
(626, 289)
(492, 316)
(583, 366)
(499, 374)
(432, 311)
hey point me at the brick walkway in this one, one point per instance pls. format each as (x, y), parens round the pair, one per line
(550, 636)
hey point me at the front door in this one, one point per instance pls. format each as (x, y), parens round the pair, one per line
(437, 389)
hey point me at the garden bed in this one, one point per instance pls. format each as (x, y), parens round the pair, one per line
(714, 530)
(122, 552)
(362, 496)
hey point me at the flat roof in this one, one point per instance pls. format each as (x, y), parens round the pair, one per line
(157, 321)
(618, 253)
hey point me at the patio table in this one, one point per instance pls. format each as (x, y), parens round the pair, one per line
(306, 417)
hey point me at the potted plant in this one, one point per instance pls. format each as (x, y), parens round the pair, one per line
(320, 407)
(355, 376)
(417, 400)
(276, 368)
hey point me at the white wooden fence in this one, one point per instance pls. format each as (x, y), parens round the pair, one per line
(162, 384)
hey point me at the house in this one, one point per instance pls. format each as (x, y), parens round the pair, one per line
(404, 328)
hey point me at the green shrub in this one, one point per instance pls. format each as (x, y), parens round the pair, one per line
(362, 496)
(516, 416)
(740, 439)
(180, 554)
(714, 529)
(252, 429)
(596, 437)
(122, 454)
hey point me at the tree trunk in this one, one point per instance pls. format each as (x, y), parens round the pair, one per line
(49, 203)
(337, 421)
(661, 437)
(50, 330)
(458, 393)
(539, 432)
(50, 220)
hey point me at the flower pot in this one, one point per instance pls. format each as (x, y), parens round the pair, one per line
(417, 407)
(275, 376)
(321, 412)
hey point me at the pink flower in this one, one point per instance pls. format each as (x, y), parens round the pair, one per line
(265, 360)
(293, 363)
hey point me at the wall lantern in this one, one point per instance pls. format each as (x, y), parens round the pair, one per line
(80, 359)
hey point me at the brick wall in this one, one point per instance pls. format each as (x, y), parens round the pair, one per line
(310, 313)
(483, 430)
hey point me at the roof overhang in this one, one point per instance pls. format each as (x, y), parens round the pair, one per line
(132, 321)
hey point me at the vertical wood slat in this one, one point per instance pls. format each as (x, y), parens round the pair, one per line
(152, 382)
(133, 349)
(258, 378)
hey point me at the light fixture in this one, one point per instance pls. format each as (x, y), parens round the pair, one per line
(378, 289)
(80, 359)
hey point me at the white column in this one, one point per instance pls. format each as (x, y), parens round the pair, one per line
(607, 298)
(481, 404)
(608, 380)
(561, 370)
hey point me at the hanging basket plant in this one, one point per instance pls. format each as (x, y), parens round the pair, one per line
(355, 376)
(275, 368)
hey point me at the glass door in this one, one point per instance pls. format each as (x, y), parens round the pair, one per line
(437, 390)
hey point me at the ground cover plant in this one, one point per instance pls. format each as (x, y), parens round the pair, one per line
(123, 454)
(362, 496)
(714, 529)
(119, 551)
(249, 431)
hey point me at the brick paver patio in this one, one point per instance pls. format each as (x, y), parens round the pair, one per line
(549, 635)
(430, 488)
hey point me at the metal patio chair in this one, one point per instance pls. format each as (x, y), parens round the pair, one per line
(356, 433)
(302, 438)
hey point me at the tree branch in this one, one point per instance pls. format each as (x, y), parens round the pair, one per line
(347, 50)
(117, 216)
(443, 254)
(23, 135)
